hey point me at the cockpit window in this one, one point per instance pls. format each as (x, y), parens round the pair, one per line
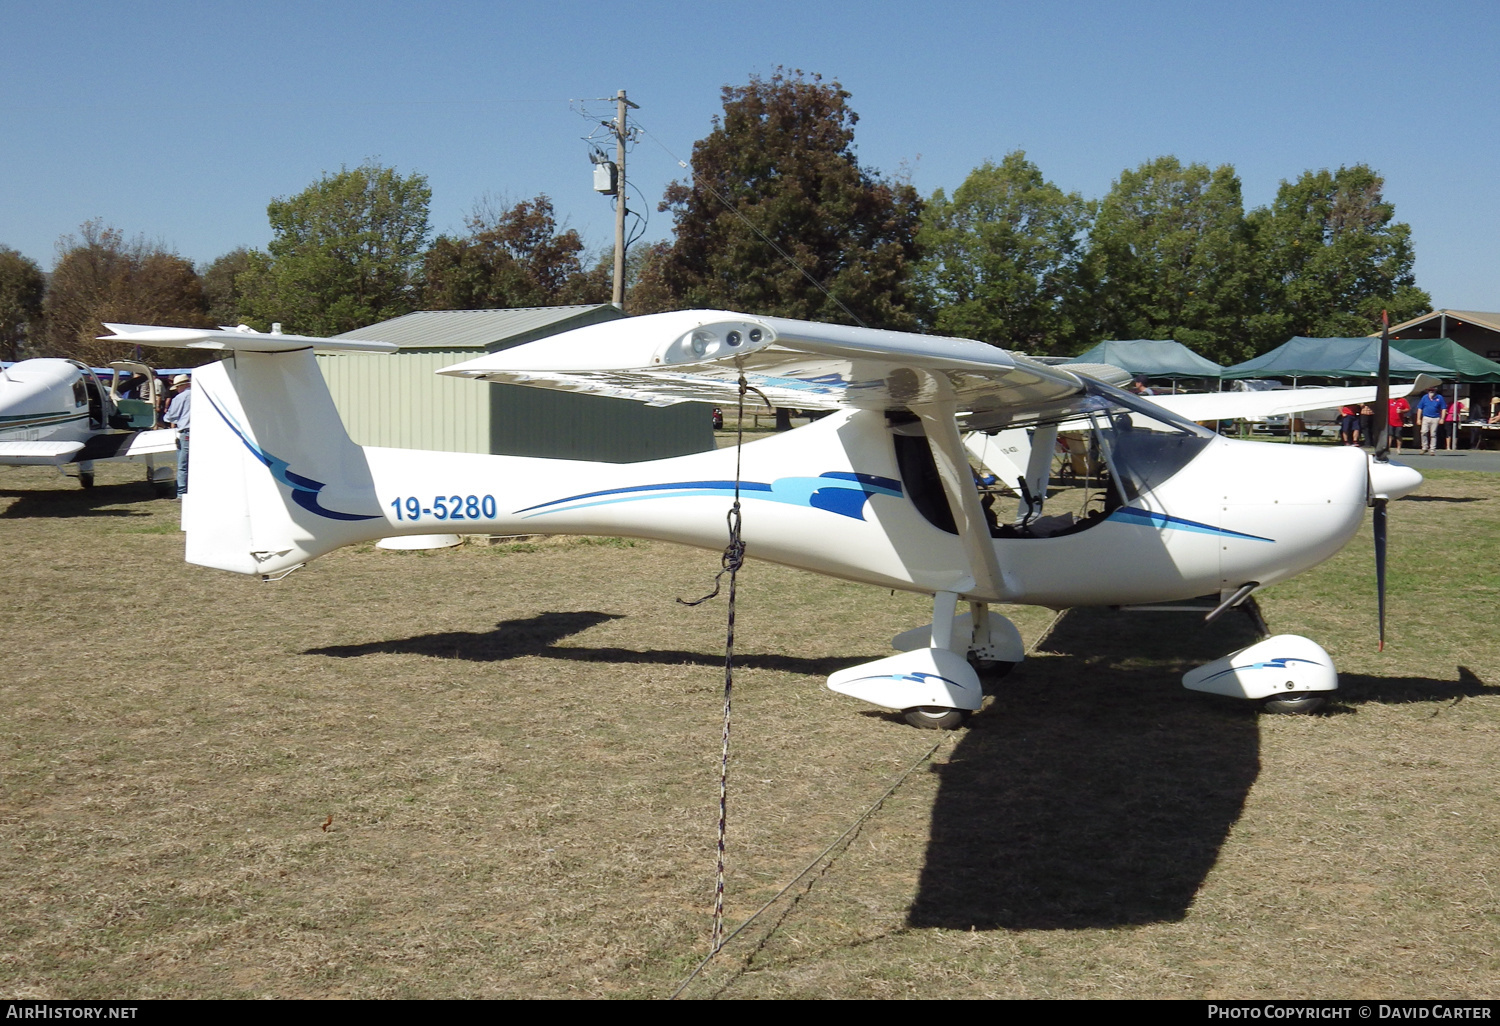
(1104, 451)
(1144, 452)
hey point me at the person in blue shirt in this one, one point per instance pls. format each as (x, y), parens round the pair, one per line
(1430, 410)
(179, 414)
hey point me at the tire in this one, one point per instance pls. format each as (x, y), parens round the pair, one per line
(164, 489)
(1301, 703)
(936, 717)
(995, 668)
(85, 481)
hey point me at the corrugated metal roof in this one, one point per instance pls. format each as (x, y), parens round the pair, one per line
(1483, 318)
(492, 330)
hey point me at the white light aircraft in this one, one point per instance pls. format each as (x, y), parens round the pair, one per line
(57, 413)
(1157, 508)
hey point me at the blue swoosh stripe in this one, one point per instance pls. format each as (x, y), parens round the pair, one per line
(1278, 664)
(827, 492)
(304, 490)
(1145, 517)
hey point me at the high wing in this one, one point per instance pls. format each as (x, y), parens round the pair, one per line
(948, 384)
(698, 355)
(1207, 406)
(229, 339)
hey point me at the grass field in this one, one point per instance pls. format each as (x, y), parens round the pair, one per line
(518, 749)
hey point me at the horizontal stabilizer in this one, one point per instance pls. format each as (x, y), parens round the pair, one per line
(240, 339)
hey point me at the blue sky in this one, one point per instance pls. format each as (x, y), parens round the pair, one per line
(180, 122)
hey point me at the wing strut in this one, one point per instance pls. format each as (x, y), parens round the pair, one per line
(941, 426)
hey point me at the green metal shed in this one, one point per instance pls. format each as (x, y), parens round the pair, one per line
(400, 401)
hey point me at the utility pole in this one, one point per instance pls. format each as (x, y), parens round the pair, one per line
(620, 134)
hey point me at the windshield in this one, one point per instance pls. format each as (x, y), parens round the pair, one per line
(1144, 444)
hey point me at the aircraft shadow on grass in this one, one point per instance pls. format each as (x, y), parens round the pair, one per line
(71, 501)
(538, 636)
(1094, 792)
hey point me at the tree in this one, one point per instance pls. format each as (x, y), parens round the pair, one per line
(1170, 257)
(100, 277)
(347, 252)
(645, 281)
(21, 290)
(778, 175)
(511, 258)
(1332, 259)
(221, 286)
(1001, 257)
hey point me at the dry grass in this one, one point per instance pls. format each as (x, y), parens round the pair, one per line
(518, 747)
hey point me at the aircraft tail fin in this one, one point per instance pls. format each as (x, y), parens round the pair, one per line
(273, 478)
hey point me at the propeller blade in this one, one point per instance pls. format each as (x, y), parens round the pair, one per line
(1380, 565)
(1383, 394)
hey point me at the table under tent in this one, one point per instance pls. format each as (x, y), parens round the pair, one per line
(1460, 365)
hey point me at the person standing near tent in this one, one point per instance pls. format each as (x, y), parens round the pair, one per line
(1452, 417)
(1348, 425)
(1400, 414)
(1430, 408)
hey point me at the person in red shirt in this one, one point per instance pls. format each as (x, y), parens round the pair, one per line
(1349, 425)
(1400, 413)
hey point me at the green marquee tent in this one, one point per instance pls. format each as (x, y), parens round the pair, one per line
(1301, 357)
(1152, 358)
(1456, 361)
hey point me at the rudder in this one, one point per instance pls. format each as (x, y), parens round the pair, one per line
(274, 479)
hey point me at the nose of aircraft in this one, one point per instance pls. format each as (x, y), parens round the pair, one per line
(1392, 480)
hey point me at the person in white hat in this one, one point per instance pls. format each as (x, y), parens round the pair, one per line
(179, 414)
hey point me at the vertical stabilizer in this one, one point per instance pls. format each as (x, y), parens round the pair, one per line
(274, 479)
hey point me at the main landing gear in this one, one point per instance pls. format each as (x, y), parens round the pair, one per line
(934, 681)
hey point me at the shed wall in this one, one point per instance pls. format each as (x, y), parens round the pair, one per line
(400, 401)
(563, 425)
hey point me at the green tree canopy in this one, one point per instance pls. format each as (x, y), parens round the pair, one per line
(1332, 258)
(1001, 257)
(21, 291)
(1170, 257)
(778, 175)
(221, 286)
(512, 258)
(100, 277)
(347, 252)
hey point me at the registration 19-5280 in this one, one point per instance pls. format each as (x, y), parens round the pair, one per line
(446, 507)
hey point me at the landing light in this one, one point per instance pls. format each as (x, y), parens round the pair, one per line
(701, 341)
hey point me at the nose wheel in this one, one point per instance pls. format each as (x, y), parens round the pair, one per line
(936, 717)
(1302, 704)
